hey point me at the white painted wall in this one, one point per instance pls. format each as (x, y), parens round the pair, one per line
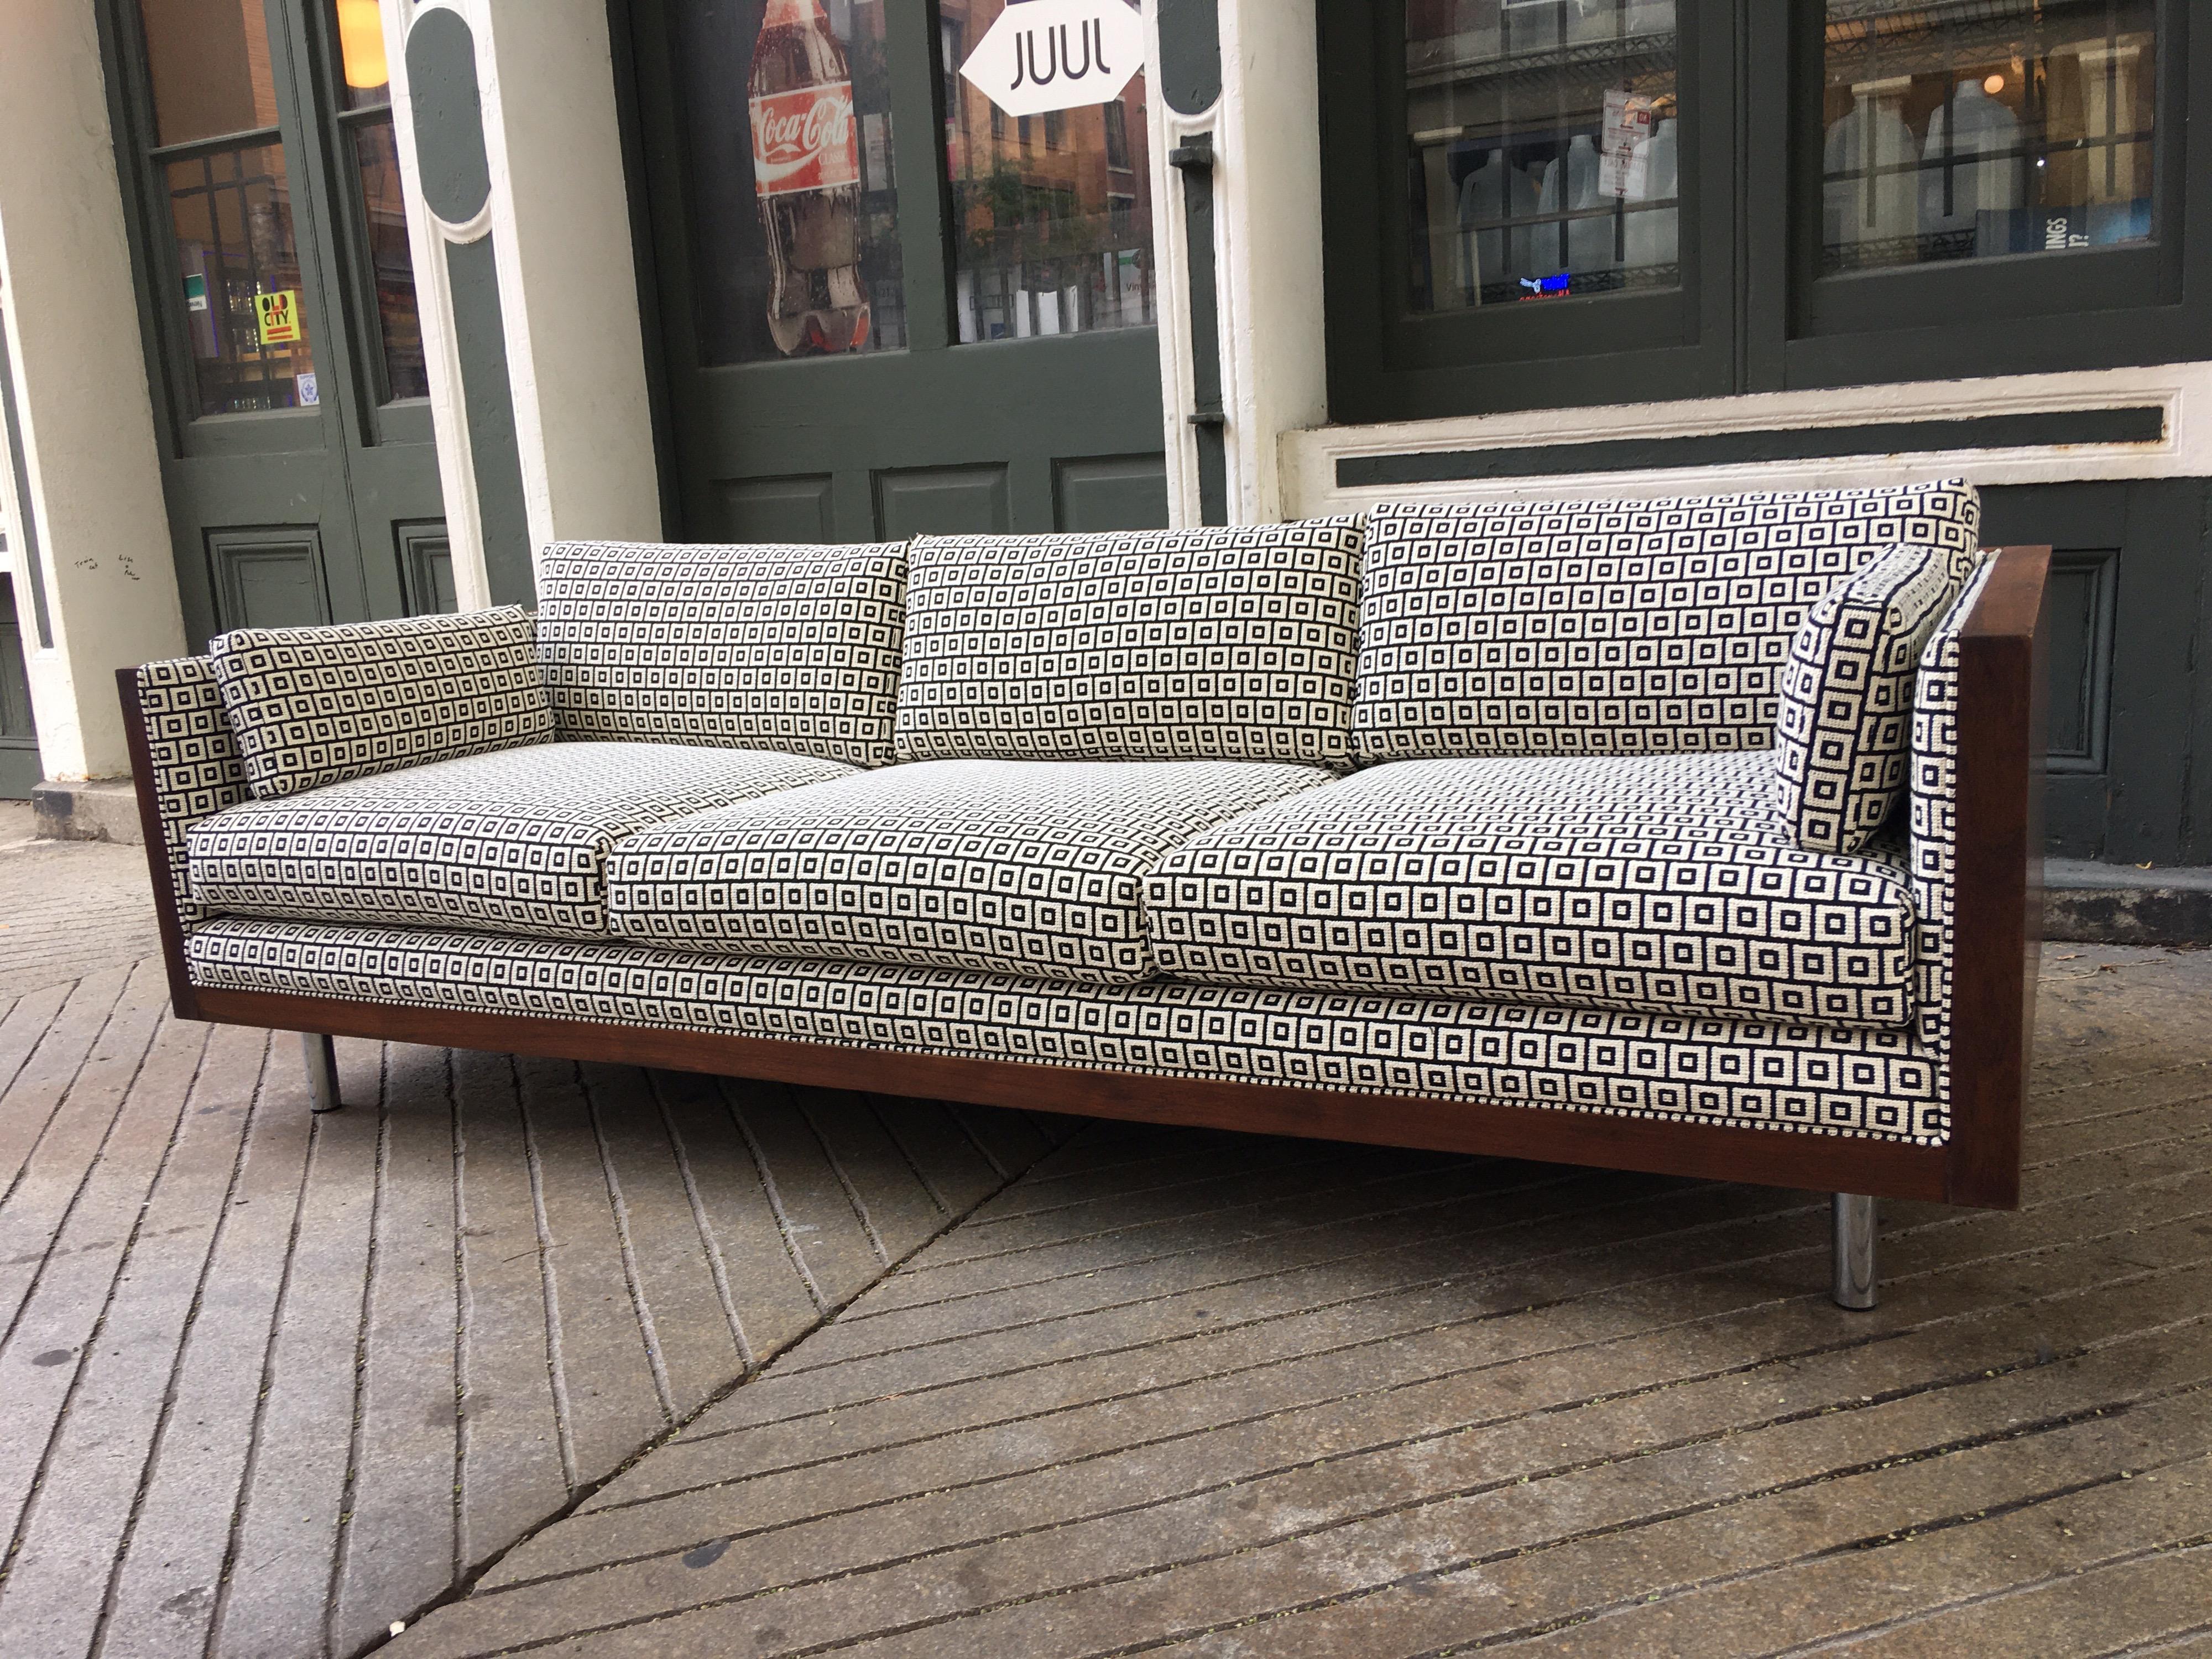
(559, 220)
(1266, 205)
(84, 409)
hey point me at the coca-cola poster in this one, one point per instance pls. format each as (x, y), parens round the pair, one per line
(791, 221)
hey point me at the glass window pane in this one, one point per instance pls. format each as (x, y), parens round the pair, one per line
(360, 54)
(1966, 131)
(232, 212)
(1052, 215)
(793, 207)
(1541, 146)
(376, 156)
(209, 60)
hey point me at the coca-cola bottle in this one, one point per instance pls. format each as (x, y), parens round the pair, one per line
(807, 170)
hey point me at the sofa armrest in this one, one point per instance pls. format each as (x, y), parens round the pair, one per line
(1976, 843)
(186, 767)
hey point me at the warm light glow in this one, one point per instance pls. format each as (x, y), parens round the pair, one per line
(1993, 85)
(361, 42)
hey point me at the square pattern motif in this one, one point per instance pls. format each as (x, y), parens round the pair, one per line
(1840, 745)
(790, 647)
(1002, 866)
(1612, 628)
(1217, 644)
(315, 705)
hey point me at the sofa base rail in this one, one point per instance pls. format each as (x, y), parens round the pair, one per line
(1776, 1158)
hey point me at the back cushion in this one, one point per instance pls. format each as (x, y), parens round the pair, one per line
(1612, 628)
(792, 648)
(312, 706)
(1233, 643)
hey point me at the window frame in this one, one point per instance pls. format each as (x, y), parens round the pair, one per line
(1755, 315)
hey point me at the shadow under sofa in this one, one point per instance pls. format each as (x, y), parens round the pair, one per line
(1444, 826)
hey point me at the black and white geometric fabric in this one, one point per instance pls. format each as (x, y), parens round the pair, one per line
(515, 842)
(1220, 644)
(1612, 628)
(1817, 1080)
(1663, 885)
(1935, 823)
(1846, 719)
(313, 706)
(1025, 867)
(197, 769)
(757, 647)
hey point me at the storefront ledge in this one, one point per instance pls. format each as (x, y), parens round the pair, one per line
(2088, 902)
(103, 809)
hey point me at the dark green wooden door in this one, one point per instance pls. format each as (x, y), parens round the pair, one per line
(281, 321)
(948, 327)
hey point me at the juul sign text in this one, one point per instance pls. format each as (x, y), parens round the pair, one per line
(1057, 54)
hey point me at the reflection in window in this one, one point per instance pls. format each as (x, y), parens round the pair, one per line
(1052, 237)
(794, 227)
(232, 212)
(1967, 129)
(1542, 143)
(367, 123)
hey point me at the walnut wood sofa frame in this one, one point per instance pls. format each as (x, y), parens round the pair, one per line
(1998, 897)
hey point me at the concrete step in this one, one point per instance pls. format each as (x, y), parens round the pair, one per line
(2097, 903)
(101, 808)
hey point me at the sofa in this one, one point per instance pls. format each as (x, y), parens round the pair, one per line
(1695, 836)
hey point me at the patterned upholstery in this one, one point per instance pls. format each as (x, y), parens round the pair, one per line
(197, 770)
(515, 842)
(1661, 885)
(1002, 866)
(1819, 1079)
(1611, 627)
(1935, 823)
(1845, 725)
(763, 647)
(1224, 644)
(312, 706)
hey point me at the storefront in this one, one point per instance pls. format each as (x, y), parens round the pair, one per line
(844, 269)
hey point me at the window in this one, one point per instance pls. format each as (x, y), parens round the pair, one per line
(1056, 129)
(1613, 201)
(1116, 115)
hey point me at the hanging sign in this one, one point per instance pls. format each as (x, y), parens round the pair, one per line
(280, 316)
(1057, 54)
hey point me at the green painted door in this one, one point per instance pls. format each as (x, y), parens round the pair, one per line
(887, 306)
(278, 299)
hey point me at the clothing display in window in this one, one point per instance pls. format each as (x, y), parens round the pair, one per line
(1869, 160)
(1654, 237)
(1496, 191)
(1571, 186)
(1961, 195)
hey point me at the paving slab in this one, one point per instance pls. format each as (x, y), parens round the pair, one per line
(1145, 1399)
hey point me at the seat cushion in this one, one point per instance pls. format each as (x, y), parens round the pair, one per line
(761, 646)
(1219, 644)
(1663, 885)
(1032, 867)
(1846, 720)
(313, 706)
(515, 842)
(1612, 628)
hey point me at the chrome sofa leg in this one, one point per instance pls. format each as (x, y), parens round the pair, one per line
(1855, 1235)
(322, 1056)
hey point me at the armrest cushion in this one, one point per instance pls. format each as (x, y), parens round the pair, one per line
(193, 766)
(312, 706)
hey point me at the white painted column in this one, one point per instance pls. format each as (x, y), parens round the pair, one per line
(1266, 202)
(84, 413)
(559, 219)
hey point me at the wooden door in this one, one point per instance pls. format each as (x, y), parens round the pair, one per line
(278, 306)
(1008, 376)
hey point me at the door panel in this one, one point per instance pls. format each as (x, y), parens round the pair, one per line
(1113, 492)
(945, 500)
(278, 301)
(270, 578)
(1008, 374)
(775, 509)
(426, 559)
